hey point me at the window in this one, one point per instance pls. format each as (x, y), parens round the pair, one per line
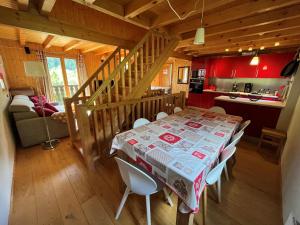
(64, 77)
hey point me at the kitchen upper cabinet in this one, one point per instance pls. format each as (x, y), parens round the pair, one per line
(224, 67)
(243, 69)
(270, 65)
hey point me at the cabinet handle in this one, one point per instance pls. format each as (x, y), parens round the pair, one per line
(256, 72)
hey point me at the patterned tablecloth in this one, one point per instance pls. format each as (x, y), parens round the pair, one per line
(180, 149)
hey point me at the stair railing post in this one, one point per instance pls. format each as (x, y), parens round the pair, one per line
(86, 134)
(70, 119)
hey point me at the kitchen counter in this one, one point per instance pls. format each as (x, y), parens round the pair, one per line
(267, 103)
(238, 93)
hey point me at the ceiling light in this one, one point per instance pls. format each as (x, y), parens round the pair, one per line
(240, 50)
(277, 44)
(262, 47)
(250, 49)
(200, 33)
(255, 60)
(226, 50)
(200, 36)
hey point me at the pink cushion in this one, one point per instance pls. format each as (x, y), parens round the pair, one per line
(50, 106)
(39, 111)
(36, 100)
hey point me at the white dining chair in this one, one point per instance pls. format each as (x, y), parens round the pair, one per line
(177, 109)
(244, 125)
(217, 109)
(233, 142)
(139, 182)
(214, 176)
(140, 122)
(161, 115)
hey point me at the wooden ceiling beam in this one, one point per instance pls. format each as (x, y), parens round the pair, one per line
(23, 4)
(265, 36)
(272, 27)
(105, 49)
(116, 10)
(21, 36)
(136, 7)
(254, 43)
(46, 6)
(47, 41)
(183, 9)
(33, 21)
(90, 49)
(250, 8)
(71, 45)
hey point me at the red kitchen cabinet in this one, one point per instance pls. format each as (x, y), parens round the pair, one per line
(224, 67)
(270, 65)
(243, 69)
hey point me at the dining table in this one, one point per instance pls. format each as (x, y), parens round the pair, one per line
(180, 150)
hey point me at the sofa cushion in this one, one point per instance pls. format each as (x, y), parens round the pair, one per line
(21, 105)
(39, 111)
(25, 115)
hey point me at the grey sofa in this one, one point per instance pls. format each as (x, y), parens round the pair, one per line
(31, 127)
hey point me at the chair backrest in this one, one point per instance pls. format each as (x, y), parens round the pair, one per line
(140, 122)
(177, 109)
(235, 139)
(244, 125)
(161, 115)
(217, 109)
(216, 172)
(136, 180)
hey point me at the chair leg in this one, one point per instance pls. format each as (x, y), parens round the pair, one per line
(204, 205)
(148, 209)
(167, 196)
(219, 190)
(127, 191)
(226, 172)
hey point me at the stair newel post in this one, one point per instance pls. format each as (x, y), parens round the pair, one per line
(70, 118)
(86, 134)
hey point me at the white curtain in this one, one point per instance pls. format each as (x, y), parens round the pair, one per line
(48, 89)
(82, 74)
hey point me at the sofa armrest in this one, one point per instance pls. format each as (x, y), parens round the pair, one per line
(33, 131)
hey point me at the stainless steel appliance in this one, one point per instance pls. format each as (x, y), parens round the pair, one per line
(197, 81)
(248, 87)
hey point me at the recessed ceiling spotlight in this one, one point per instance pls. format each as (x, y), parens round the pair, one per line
(277, 44)
(226, 50)
(240, 50)
(250, 49)
(262, 47)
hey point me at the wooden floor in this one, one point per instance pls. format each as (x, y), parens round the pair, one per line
(54, 188)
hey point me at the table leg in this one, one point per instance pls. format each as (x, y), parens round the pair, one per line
(183, 218)
(204, 205)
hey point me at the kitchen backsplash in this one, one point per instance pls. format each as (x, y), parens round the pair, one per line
(265, 83)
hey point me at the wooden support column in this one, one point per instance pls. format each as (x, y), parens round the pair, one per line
(86, 136)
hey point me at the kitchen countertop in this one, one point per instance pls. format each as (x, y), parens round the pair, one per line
(268, 103)
(238, 93)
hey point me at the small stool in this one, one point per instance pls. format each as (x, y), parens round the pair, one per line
(273, 137)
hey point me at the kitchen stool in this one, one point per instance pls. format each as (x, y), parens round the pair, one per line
(273, 137)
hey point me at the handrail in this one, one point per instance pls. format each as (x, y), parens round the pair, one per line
(106, 83)
(87, 82)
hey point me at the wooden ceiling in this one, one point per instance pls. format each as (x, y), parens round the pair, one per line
(230, 25)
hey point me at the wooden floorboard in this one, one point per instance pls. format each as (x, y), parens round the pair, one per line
(55, 188)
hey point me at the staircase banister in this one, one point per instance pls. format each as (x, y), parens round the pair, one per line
(86, 83)
(118, 68)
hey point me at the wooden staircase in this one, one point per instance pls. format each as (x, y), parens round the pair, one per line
(124, 75)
